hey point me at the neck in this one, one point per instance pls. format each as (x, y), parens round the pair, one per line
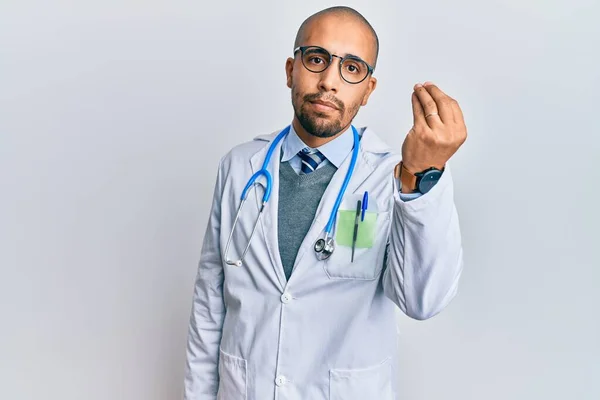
(312, 140)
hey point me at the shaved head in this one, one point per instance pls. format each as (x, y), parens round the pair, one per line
(342, 12)
(324, 101)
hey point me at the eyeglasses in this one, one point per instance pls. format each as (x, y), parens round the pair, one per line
(352, 69)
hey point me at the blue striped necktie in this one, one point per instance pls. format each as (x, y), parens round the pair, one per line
(311, 158)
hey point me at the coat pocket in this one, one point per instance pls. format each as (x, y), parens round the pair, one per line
(368, 255)
(361, 384)
(232, 377)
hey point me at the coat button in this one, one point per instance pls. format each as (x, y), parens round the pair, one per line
(280, 380)
(286, 298)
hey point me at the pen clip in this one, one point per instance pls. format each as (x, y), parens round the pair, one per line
(365, 202)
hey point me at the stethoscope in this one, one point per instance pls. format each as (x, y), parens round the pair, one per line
(325, 245)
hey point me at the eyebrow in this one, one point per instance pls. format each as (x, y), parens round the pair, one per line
(350, 55)
(347, 55)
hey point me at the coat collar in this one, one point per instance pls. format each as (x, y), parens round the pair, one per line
(370, 141)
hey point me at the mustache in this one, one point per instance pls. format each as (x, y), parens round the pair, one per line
(318, 96)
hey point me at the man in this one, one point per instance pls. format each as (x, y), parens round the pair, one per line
(286, 319)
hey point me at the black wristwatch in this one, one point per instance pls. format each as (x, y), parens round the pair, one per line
(427, 179)
(418, 182)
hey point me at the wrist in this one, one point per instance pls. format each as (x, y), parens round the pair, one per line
(416, 168)
(417, 182)
(407, 179)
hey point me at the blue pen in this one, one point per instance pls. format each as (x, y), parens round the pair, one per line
(365, 202)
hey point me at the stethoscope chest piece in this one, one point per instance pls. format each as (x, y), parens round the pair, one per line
(324, 247)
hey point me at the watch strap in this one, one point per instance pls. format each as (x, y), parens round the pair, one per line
(407, 178)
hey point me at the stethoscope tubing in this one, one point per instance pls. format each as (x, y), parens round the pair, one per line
(267, 194)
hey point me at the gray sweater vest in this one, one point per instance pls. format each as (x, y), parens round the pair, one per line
(299, 197)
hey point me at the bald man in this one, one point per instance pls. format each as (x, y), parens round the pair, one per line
(351, 232)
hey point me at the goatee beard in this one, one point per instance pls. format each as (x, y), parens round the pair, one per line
(309, 120)
(318, 128)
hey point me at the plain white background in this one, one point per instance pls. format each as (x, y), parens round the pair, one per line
(114, 114)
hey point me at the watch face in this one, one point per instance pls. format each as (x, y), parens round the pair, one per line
(428, 180)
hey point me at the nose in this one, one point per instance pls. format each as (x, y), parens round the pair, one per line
(330, 79)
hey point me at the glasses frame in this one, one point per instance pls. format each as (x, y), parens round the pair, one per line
(302, 49)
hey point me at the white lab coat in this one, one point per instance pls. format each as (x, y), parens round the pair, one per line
(330, 331)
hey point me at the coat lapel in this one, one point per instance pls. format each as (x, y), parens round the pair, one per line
(269, 220)
(369, 156)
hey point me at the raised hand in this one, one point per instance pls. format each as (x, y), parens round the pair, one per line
(438, 129)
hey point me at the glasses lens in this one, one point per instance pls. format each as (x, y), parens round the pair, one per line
(354, 70)
(315, 59)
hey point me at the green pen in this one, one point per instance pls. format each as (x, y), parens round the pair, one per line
(355, 235)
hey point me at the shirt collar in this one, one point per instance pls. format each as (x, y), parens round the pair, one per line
(336, 150)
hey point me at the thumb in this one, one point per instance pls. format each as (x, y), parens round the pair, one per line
(407, 142)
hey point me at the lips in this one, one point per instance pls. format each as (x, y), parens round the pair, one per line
(325, 104)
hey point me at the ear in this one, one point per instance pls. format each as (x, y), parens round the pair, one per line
(289, 68)
(372, 84)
